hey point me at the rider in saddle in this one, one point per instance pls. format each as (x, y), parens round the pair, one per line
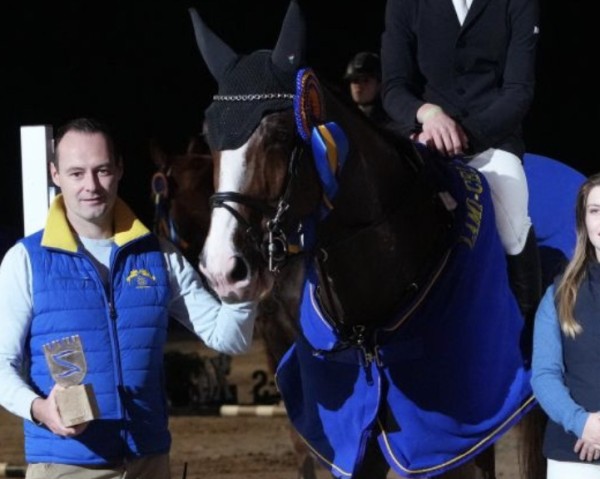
(461, 82)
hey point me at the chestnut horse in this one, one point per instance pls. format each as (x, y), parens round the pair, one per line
(409, 354)
(181, 189)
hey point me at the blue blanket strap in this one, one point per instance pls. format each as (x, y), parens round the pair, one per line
(330, 150)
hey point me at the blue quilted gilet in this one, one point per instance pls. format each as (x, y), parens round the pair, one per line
(122, 328)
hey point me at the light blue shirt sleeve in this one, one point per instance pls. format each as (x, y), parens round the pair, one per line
(548, 370)
(224, 327)
(16, 395)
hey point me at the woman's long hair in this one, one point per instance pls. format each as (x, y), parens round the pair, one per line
(566, 293)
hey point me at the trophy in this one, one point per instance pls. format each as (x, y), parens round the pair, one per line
(66, 361)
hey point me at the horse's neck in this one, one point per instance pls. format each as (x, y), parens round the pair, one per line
(379, 175)
(386, 233)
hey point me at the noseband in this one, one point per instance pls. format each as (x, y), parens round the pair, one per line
(275, 248)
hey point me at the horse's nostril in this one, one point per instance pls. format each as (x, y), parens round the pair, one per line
(239, 271)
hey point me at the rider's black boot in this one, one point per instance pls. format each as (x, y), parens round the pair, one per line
(525, 277)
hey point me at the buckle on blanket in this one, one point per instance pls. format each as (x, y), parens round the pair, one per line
(371, 356)
(348, 353)
(354, 354)
(368, 357)
(370, 353)
(354, 351)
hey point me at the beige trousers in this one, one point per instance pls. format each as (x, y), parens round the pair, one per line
(150, 467)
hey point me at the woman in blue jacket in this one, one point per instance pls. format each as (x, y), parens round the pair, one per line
(566, 356)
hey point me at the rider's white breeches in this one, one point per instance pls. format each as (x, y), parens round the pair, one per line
(505, 174)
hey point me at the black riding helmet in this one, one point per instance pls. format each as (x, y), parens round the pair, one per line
(363, 64)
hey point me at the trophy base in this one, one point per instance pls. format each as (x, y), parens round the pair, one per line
(77, 404)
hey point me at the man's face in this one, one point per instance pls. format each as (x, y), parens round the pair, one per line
(364, 89)
(88, 179)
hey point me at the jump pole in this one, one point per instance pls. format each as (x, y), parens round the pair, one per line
(252, 410)
(37, 150)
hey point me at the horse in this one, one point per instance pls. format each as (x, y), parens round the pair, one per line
(181, 188)
(399, 265)
(189, 173)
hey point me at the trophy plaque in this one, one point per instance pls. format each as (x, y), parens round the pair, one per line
(66, 361)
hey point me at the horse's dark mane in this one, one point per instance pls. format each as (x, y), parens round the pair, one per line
(381, 164)
(384, 186)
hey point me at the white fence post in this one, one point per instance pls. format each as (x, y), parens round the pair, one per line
(36, 151)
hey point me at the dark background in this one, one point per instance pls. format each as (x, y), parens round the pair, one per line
(136, 66)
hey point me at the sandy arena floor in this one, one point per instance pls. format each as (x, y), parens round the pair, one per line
(234, 447)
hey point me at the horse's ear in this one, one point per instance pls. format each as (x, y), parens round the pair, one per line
(288, 54)
(157, 154)
(216, 53)
(196, 145)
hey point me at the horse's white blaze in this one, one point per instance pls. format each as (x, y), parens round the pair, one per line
(219, 251)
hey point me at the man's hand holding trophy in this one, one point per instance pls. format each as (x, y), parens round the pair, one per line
(76, 401)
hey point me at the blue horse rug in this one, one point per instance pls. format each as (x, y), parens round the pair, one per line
(553, 190)
(447, 377)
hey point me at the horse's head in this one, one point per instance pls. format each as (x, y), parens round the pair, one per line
(262, 176)
(182, 187)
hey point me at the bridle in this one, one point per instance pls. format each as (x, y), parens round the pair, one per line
(276, 247)
(164, 226)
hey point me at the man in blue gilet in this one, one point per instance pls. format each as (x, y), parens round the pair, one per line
(95, 272)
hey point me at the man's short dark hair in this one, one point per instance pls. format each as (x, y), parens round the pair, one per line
(91, 126)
